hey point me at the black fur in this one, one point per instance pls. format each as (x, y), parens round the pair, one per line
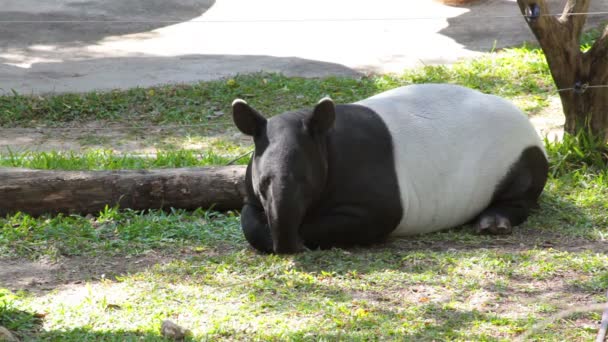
(347, 211)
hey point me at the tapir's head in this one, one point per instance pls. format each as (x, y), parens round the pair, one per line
(289, 165)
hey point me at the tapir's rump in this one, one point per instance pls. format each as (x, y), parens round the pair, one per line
(452, 148)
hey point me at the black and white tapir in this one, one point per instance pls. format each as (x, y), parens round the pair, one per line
(415, 159)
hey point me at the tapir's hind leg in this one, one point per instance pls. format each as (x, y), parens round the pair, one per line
(255, 228)
(517, 194)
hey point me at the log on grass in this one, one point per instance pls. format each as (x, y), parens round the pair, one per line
(41, 191)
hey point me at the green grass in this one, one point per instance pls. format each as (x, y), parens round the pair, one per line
(114, 232)
(109, 160)
(581, 152)
(385, 292)
(451, 285)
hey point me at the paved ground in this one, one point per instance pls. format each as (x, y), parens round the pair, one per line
(156, 41)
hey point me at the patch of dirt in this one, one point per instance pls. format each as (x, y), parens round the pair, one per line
(44, 275)
(119, 138)
(516, 298)
(545, 299)
(506, 246)
(523, 238)
(550, 120)
(123, 138)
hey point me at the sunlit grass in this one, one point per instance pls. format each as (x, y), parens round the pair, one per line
(109, 160)
(361, 295)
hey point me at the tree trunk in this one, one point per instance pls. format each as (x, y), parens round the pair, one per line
(575, 73)
(36, 192)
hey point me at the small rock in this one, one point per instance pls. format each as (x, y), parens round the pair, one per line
(7, 336)
(173, 331)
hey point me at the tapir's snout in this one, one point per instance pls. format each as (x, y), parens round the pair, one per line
(285, 214)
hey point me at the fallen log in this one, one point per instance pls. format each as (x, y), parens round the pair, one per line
(41, 191)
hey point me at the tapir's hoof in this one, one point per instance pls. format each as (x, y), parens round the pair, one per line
(494, 225)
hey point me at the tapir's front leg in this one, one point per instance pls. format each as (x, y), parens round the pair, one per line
(344, 227)
(255, 227)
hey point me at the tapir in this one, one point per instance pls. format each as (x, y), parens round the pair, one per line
(411, 160)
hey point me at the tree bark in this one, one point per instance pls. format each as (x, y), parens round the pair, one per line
(37, 192)
(577, 73)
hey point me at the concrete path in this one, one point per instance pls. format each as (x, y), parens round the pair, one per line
(106, 44)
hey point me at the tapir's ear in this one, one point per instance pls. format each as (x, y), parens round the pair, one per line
(323, 116)
(246, 119)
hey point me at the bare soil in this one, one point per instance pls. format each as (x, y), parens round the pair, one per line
(119, 138)
(127, 139)
(46, 275)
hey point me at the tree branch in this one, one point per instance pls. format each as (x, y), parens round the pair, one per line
(554, 38)
(577, 22)
(597, 57)
(541, 24)
(600, 47)
(576, 6)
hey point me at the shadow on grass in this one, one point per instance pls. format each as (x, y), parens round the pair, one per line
(563, 223)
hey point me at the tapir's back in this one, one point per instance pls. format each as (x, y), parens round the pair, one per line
(452, 147)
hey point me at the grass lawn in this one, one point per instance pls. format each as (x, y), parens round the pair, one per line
(115, 276)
